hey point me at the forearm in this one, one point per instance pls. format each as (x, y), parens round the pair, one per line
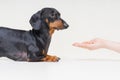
(111, 45)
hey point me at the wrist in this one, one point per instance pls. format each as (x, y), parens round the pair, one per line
(104, 43)
(108, 44)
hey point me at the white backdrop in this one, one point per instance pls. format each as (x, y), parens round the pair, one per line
(88, 19)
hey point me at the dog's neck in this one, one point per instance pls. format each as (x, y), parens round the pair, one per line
(44, 34)
(51, 30)
(42, 37)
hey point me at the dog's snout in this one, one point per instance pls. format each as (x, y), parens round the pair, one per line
(66, 25)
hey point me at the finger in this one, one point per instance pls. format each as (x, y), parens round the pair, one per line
(76, 44)
(83, 45)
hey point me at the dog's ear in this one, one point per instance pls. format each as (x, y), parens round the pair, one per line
(35, 21)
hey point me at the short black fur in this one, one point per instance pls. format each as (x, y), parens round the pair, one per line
(21, 45)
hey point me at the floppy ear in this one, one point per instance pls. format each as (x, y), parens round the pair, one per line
(35, 21)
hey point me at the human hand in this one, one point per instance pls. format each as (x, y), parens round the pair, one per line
(91, 45)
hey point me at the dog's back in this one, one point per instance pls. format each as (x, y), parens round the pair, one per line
(13, 41)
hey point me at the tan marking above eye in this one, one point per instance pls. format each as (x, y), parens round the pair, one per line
(46, 20)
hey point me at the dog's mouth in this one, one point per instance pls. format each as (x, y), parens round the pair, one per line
(65, 26)
(57, 28)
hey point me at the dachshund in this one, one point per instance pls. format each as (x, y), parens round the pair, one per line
(32, 45)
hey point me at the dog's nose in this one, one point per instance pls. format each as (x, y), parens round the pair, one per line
(66, 25)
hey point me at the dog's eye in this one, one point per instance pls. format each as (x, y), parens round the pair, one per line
(53, 15)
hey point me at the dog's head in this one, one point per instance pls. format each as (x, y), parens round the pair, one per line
(50, 16)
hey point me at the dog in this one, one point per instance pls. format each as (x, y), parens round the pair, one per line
(32, 45)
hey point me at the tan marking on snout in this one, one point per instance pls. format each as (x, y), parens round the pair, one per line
(58, 24)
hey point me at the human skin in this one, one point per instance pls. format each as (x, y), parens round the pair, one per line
(98, 43)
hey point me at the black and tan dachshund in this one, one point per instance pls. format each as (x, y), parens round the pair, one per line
(32, 46)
